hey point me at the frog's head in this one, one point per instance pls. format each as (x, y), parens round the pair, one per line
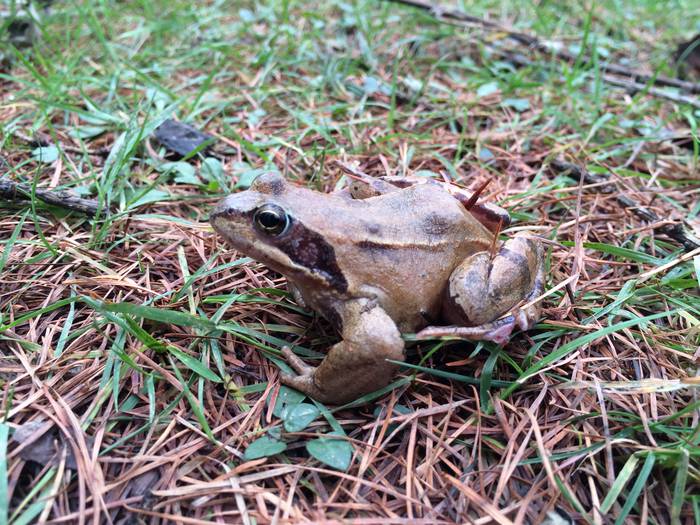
(272, 223)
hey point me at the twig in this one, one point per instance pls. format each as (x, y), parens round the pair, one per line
(675, 231)
(635, 87)
(11, 190)
(535, 43)
(42, 140)
(630, 86)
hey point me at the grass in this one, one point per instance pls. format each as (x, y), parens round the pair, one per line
(147, 354)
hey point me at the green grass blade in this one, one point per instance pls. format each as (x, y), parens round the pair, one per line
(619, 484)
(637, 488)
(679, 486)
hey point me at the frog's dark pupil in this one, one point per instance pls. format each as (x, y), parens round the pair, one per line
(269, 219)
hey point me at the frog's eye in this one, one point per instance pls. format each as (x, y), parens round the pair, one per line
(271, 219)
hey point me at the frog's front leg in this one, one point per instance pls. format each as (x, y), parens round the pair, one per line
(358, 364)
(484, 288)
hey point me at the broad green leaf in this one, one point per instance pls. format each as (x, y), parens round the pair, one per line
(86, 132)
(487, 89)
(264, 447)
(46, 154)
(286, 399)
(518, 104)
(300, 416)
(336, 453)
(246, 175)
(184, 172)
(143, 196)
(212, 170)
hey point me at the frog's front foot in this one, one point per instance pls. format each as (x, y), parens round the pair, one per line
(304, 382)
(357, 365)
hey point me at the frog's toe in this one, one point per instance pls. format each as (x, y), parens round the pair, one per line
(296, 363)
(528, 317)
(305, 384)
(497, 331)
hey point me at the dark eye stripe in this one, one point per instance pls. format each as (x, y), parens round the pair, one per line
(309, 249)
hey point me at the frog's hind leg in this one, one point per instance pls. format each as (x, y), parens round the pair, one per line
(484, 288)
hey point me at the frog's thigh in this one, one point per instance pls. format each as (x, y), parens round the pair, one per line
(358, 364)
(484, 287)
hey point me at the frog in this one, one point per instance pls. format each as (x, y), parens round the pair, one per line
(382, 258)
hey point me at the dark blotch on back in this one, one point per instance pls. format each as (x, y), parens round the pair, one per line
(373, 228)
(435, 224)
(310, 250)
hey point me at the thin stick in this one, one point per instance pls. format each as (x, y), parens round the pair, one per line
(535, 43)
(675, 231)
(630, 86)
(11, 190)
(475, 196)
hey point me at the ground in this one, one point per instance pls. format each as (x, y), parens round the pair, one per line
(140, 356)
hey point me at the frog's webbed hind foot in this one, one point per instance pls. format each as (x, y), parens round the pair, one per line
(497, 331)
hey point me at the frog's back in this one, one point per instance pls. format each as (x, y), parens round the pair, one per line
(403, 247)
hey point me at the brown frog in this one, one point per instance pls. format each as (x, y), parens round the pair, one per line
(378, 259)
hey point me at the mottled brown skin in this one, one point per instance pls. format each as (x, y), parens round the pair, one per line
(380, 262)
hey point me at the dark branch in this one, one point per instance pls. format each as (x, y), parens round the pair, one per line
(675, 231)
(11, 190)
(532, 42)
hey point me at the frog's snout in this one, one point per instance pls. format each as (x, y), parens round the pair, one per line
(235, 206)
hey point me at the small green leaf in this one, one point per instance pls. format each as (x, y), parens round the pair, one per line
(46, 154)
(286, 399)
(518, 104)
(247, 176)
(143, 196)
(264, 447)
(485, 154)
(300, 416)
(336, 453)
(487, 89)
(184, 172)
(212, 170)
(86, 132)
